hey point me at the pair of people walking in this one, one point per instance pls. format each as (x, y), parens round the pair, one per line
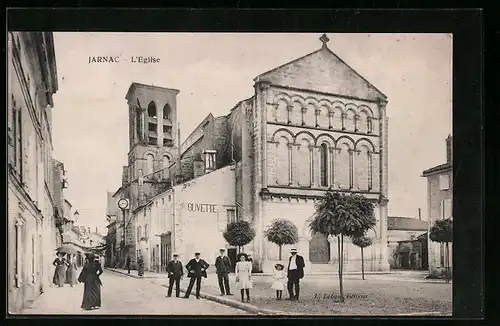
(65, 270)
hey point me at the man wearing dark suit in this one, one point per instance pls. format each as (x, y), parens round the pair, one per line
(295, 273)
(223, 266)
(175, 273)
(197, 268)
(129, 262)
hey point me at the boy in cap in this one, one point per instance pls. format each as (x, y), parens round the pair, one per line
(197, 268)
(223, 266)
(175, 273)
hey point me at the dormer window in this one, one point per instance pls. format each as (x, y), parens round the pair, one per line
(210, 160)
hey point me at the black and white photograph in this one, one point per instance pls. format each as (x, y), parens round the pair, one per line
(234, 174)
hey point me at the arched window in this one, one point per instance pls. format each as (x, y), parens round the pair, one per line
(283, 161)
(363, 122)
(152, 110)
(166, 161)
(363, 168)
(369, 124)
(167, 112)
(344, 172)
(323, 168)
(337, 118)
(281, 114)
(304, 166)
(349, 120)
(149, 163)
(296, 114)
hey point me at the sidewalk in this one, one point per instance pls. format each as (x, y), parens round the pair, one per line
(376, 295)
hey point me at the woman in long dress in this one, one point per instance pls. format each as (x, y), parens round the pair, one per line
(92, 284)
(60, 272)
(243, 273)
(71, 277)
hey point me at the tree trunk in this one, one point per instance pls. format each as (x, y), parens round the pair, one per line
(341, 268)
(340, 263)
(279, 252)
(447, 263)
(362, 265)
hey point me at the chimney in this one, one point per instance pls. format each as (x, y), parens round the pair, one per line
(96, 230)
(419, 214)
(89, 229)
(198, 166)
(449, 149)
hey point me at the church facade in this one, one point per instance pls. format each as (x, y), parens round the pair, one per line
(317, 124)
(311, 124)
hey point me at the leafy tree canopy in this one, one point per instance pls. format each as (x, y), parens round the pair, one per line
(239, 233)
(442, 231)
(336, 213)
(362, 241)
(282, 232)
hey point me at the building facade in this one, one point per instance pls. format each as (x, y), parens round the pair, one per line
(440, 206)
(184, 217)
(312, 124)
(407, 242)
(32, 80)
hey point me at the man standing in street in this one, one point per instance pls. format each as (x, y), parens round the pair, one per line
(197, 268)
(223, 266)
(129, 262)
(175, 273)
(295, 273)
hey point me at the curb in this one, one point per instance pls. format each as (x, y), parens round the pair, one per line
(218, 299)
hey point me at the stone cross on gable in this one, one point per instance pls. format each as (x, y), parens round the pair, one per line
(324, 39)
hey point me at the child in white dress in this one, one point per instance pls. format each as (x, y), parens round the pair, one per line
(279, 280)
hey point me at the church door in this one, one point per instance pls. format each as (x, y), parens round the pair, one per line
(319, 249)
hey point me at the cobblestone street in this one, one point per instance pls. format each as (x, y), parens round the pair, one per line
(125, 295)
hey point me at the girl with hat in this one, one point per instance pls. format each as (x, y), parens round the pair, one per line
(279, 280)
(243, 273)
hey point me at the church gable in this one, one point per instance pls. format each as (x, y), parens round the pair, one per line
(325, 72)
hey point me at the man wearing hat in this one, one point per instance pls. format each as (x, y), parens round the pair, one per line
(223, 266)
(175, 272)
(295, 273)
(197, 268)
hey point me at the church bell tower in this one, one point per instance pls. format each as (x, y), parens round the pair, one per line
(152, 139)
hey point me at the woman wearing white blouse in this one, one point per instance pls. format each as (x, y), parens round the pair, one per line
(243, 273)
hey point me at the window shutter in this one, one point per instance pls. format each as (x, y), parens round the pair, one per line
(448, 208)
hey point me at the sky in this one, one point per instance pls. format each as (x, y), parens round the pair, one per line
(213, 71)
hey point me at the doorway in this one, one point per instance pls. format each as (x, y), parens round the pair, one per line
(319, 249)
(231, 253)
(166, 247)
(404, 259)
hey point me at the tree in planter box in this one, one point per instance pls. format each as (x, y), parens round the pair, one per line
(282, 232)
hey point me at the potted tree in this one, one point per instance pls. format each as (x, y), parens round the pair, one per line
(342, 215)
(442, 232)
(282, 232)
(362, 242)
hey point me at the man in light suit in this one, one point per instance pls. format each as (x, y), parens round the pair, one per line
(295, 273)
(175, 273)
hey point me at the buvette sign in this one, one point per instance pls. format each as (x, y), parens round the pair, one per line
(203, 208)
